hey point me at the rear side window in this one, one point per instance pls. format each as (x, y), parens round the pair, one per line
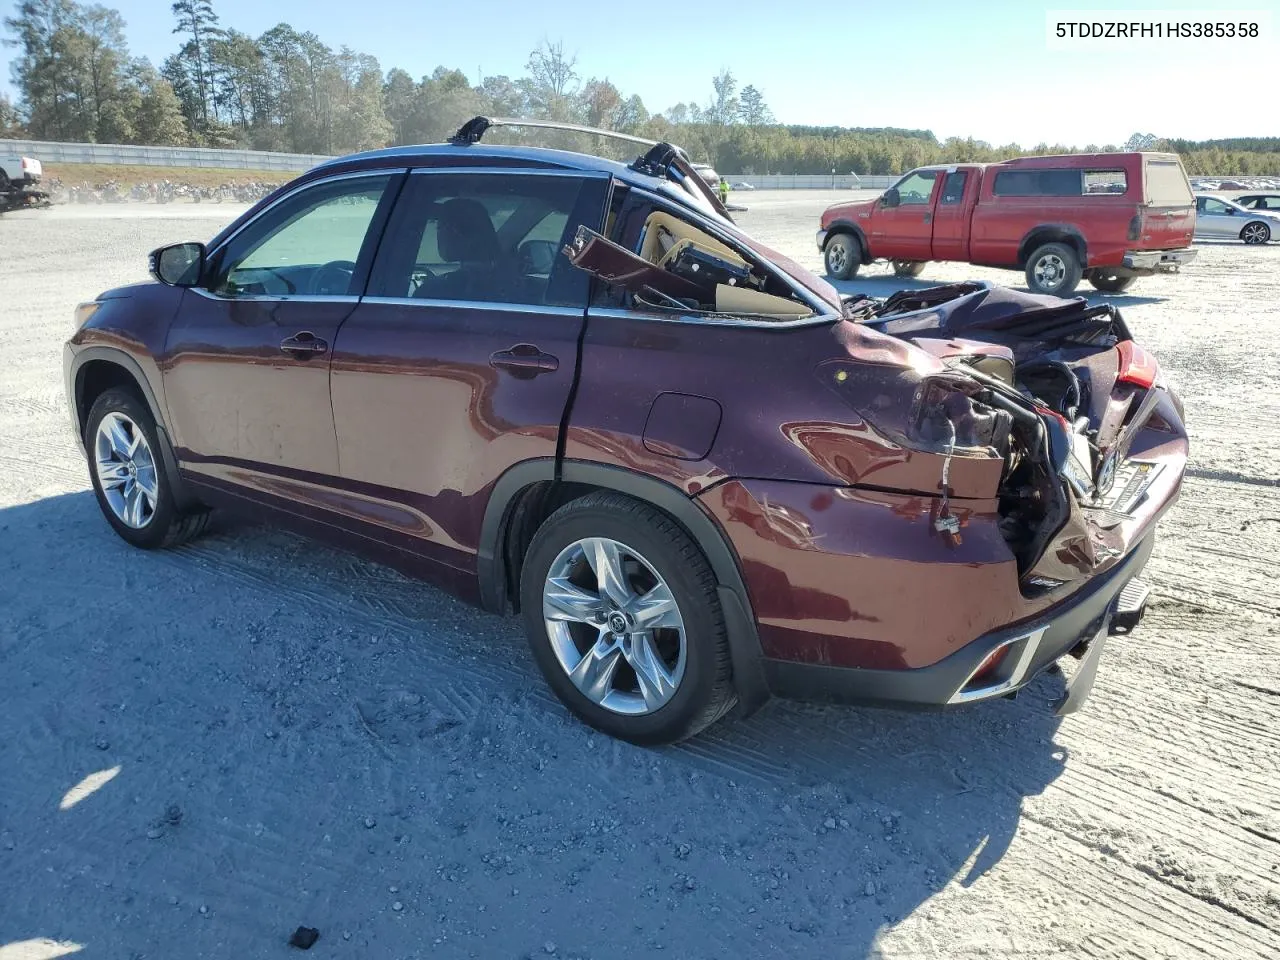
(1037, 183)
(953, 188)
(1072, 182)
(1167, 184)
(486, 238)
(1105, 181)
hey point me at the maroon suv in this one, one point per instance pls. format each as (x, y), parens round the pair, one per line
(568, 387)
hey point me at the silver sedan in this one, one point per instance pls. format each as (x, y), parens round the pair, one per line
(1222, 219)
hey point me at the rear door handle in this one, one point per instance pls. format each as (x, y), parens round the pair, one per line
(305, 343)
(928, 218)
(524, 360)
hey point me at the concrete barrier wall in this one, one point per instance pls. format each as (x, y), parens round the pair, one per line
(47, 152)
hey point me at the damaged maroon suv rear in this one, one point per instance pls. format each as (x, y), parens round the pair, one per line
(573, 389)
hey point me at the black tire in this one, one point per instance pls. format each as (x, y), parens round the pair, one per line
(1110, 282)
(1053, 269)
(1255, 233)
(842, 256)
(908, 268)
(705, 692)
(166, 526)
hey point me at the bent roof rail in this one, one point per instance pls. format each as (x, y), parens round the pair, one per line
(661, 160)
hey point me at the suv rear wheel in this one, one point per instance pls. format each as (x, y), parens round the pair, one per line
(1110, 282)
(129, 476)
(843, 256)
(621, 612)
(1053, 269)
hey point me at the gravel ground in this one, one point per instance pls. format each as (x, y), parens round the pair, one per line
(203, 749)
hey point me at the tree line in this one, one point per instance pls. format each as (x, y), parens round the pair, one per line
(288, 91)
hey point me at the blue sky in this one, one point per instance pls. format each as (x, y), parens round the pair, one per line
(985, 70)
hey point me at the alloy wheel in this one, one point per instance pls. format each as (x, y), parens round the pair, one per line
(1050, 271)
(126, 470)
(615, 626)
(1255, 233)
(837, 258)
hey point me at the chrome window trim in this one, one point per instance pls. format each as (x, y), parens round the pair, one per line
(510, 172)
(278, 298)
(815, 303)
(491, 305)
(692, 318)
(391, 172)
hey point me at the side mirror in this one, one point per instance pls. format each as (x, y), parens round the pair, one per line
(179, 264)
(891, 197)
(538, 257)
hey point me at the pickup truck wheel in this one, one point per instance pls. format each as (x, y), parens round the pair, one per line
(907, 268)
(1255, 233)
(843, 256)
(1110, 282)
(1053, 269)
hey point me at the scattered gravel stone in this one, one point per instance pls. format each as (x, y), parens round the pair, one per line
(155, 833)
(304, 937)
(829, 823)
(102, 743)
(870, 890)
(173, 815)
(549, 946)
(370, 823)
(397, 906)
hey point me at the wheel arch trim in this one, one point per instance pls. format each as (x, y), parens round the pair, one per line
(1044, 233)
(491, 563)
(848, 226)
(80, 410)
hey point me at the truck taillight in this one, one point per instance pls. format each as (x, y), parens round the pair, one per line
(1136, 365)
(26, 164)
(1135, 226)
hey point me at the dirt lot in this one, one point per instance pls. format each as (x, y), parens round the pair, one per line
(203, 749)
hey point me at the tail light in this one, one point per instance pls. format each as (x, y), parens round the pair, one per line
(1136, 365)
(1135, 226)
(27, 164)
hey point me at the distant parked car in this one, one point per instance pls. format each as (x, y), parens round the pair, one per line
(1260, 201)
(743, 185)
(707, 173)
(1222, 219)
(20, 184)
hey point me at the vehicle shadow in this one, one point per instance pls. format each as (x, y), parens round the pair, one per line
(254, 725)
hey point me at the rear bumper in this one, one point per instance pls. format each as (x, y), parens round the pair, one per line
(1033, 645)
(1157, 261)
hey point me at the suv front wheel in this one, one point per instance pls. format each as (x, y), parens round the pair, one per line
(129, 475)
(621, 612)
(1053, 269)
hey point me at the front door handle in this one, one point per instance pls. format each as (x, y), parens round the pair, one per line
(928, 218)
(304, 344)
(524, 360)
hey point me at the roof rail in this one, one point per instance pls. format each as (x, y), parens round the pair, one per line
(475, 128)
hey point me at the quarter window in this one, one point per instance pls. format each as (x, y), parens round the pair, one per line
(309, 245)
(492, 238)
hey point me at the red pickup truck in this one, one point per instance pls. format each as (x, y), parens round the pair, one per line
(1107, 217)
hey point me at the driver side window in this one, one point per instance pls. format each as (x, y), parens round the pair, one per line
(309, 245)
(1216, 207)
(916, 187)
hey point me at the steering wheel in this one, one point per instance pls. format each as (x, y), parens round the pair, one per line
(332, 279)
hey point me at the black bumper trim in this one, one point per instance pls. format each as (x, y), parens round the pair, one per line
(1066, 625)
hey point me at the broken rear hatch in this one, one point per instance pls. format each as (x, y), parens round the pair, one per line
(1093, 442)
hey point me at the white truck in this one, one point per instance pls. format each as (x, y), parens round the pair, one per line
(20, 184)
